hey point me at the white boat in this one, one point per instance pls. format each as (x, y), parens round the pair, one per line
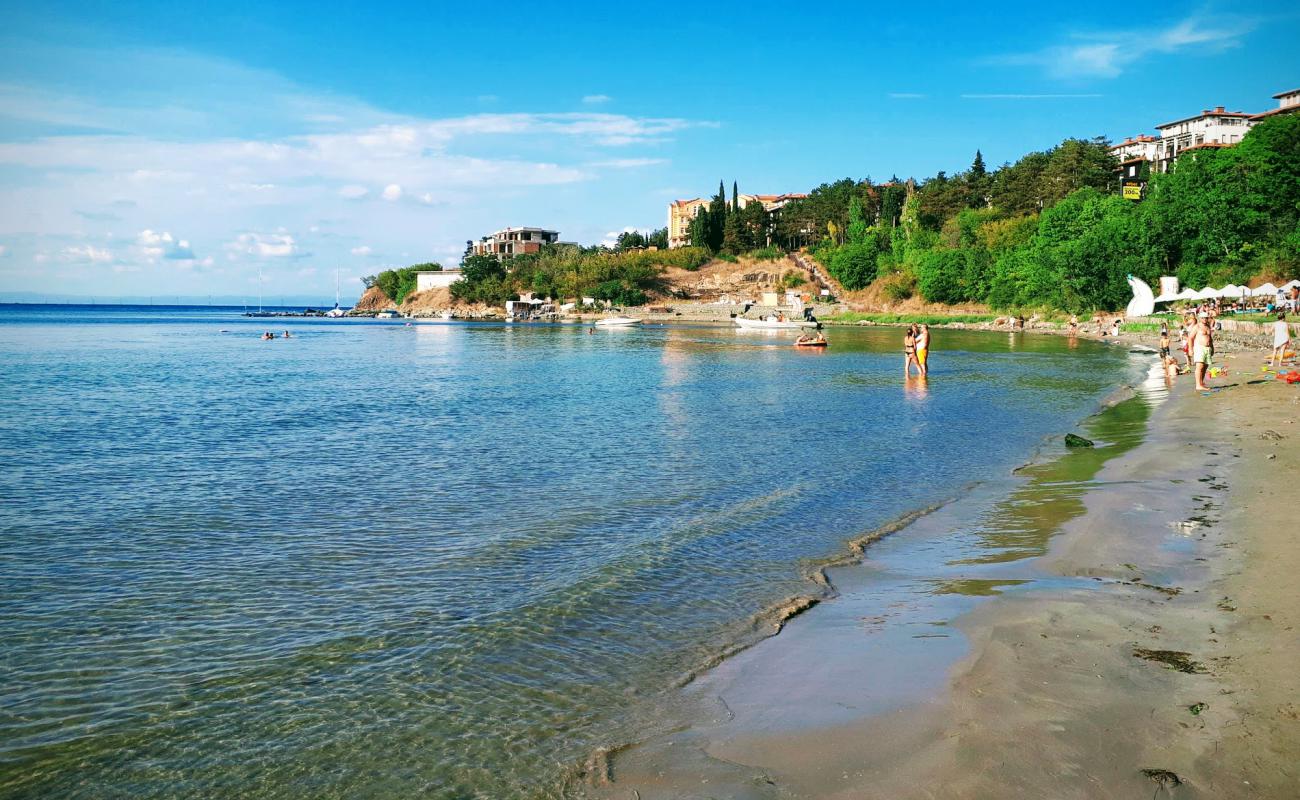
(386, 315)
(336, 312)
(617, 322)
(446, 315)
(773, 324)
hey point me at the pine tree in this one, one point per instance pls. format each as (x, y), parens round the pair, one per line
(977, 169)
(717, 218)
(735, 198)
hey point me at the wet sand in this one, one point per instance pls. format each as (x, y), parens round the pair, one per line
(1151, 650)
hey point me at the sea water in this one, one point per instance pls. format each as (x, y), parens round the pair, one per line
(446, 560)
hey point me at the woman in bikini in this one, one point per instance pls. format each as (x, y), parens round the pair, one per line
(909, 351)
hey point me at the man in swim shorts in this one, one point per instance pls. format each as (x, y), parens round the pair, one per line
(923, 349)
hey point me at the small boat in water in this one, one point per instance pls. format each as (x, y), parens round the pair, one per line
(386, 315)
(446, 315)
(774, 324)
(811, 341)
(617, 322)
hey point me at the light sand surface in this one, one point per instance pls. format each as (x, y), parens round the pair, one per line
(1188, 548)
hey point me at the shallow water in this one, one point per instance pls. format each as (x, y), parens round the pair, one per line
(382, 560)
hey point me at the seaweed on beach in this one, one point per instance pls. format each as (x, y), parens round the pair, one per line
(1163, 778)
(1171, 659)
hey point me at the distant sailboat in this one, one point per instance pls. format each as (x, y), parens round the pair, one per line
(336, 311)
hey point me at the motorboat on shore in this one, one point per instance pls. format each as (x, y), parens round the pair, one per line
(774, 324)
(617, 322)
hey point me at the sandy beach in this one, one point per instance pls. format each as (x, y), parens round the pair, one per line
(1156, 656)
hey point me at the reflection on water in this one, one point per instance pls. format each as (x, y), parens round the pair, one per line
(1022, 525)
(444, 560)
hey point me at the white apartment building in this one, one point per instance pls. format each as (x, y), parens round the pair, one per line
(1286, 101)
(1217, 128)
(514, 241)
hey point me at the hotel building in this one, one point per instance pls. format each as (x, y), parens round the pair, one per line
(681, 212)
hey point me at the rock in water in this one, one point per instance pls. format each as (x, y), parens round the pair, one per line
(1072, 440)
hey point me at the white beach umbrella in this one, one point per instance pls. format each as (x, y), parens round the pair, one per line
(1165, 298)
(1232, 290)
(1186, 294)
(1289, 285)
(1267, 290)
(1208, 293)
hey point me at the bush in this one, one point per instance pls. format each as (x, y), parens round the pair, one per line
(771, 253)
(899, 286)
(939, 276)
(854, 265)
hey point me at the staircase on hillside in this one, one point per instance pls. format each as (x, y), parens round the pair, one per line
(820, 275)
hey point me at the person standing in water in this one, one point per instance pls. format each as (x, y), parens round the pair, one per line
(909, 350)
(1202, 349)
(923, 349)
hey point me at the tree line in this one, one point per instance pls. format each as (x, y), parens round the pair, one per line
(1052, 230)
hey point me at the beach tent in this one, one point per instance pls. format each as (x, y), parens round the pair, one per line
(1289, 285)
(1165, 298)
(1267, 290)
(1233, 290)
(1186, 294)
(1208, 293)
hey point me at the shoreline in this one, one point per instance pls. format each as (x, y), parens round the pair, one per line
(1110, 712)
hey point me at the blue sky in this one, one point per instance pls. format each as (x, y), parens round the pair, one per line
(174, 148)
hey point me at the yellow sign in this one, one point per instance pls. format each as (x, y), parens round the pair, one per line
(1132, 191)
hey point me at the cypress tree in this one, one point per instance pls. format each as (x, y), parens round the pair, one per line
(735, 198)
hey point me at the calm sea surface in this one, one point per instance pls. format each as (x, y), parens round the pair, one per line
(445, 560)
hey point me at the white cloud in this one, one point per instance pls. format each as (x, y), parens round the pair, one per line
(363, 250)
(392, 192)
(264, 245)
(87, 252)
(1108, 54)
(596, 99)
(153, 245)
(353, 192)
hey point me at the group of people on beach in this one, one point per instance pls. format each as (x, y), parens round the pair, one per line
(1196, 342)
(916, 350)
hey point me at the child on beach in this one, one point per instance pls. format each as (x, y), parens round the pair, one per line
(1281, 338)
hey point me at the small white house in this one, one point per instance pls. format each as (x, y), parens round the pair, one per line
(435, 279)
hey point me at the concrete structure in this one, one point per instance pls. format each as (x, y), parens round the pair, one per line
(515, 241)
(435, 279)
(1286, 102)
(681, 212)
(1138, 147)
(1217, 128)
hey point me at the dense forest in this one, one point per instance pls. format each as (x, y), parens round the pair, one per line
(1050, 231)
